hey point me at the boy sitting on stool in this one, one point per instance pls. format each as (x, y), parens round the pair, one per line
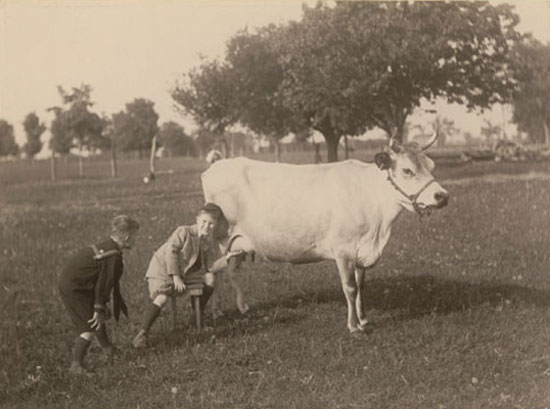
(86, 283)
(188, 250)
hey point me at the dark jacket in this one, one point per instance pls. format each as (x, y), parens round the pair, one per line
(92, 276)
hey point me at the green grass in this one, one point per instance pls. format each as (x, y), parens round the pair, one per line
(459, 304)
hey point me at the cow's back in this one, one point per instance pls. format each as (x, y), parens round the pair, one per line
(286, 211)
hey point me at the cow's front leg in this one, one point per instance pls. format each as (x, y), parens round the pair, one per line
(233, 266)
(349, 286)
(359, 307)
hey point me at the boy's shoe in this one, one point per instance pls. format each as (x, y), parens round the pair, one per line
(77, 369)
(140, 340)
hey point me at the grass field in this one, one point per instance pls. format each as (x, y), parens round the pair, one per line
(459, 303)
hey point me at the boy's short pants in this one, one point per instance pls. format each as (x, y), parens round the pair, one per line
(158, 286)
(80, 307)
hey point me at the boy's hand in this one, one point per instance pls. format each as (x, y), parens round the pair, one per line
(98, 319)
(233, 254)
(179, 285)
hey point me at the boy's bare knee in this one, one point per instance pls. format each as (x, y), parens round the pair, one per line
(160, 300)
(87, 335)
(210, 279)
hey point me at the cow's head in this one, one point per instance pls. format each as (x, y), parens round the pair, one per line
(410, 173)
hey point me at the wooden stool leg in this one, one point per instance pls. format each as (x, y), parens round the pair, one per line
(174, 313)
(197, 311)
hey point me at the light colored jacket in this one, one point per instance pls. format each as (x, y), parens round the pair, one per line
(178, 254)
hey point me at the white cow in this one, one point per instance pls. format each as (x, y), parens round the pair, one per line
(307, 213)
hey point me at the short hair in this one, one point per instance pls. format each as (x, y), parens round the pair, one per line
(212, 209)
(123, 224)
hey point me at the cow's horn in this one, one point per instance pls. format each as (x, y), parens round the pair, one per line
(432, 140)
(394, 145)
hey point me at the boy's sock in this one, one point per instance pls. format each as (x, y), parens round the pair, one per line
(80, 349)
(207, 292)
(150, 317)
(102, 337)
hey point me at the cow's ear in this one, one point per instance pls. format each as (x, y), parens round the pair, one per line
(382, 160)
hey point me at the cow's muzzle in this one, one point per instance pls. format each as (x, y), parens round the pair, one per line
(441, 197)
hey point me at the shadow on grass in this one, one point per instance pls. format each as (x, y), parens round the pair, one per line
(421, 295)
(403, 298)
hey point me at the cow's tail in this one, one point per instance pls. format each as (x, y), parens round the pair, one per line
(213, 156)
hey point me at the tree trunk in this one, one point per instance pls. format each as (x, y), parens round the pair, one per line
(398, 135)
(332, 146)
(346, 151)
(153, 155)
(277, 146)
(546, 134)
(225, 147)
(317, 156)
(52, 166)
(113, 159)
(80, 164)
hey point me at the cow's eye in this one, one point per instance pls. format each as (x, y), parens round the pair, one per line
(408, 172)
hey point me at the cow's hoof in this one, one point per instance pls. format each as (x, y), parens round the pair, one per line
(366, 327)
(357, 333)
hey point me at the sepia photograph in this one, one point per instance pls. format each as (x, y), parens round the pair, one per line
(276, 204)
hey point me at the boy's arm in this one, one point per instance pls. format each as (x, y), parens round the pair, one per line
(110, 269)
(175, 244)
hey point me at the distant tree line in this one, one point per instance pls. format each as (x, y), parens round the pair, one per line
(340, 70)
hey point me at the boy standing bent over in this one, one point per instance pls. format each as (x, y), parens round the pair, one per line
(188, 250)
(86, 284)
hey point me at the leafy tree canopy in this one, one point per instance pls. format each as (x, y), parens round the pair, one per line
(136, 126)
(34, 130)
(258, 75)
(531, 101)
(7, 139)
(207, 94)
(74, 124)
(364, 64)
(175, 141)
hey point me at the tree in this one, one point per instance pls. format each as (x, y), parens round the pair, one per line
(207, 94)
(258, 76)
(444, 128)
(34, 130)
(74, 124)
(175, 141)
(363, 64)
(8, 147)
(490, 131)
(531, 101)
(205, 140)
(61, 141)
(108, 141)
(136, 126)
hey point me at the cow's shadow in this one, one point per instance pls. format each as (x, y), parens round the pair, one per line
(416, 296)
(402, 298)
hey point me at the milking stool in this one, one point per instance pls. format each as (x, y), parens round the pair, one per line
(194, 284)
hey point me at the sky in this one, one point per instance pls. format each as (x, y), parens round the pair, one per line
(127, 49)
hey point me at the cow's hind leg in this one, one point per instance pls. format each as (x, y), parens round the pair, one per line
(349, 286)
(359, 307)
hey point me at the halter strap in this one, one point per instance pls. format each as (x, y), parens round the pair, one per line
(412, 197)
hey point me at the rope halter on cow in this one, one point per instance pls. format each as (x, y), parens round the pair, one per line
(422, 211)
(414, 197)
